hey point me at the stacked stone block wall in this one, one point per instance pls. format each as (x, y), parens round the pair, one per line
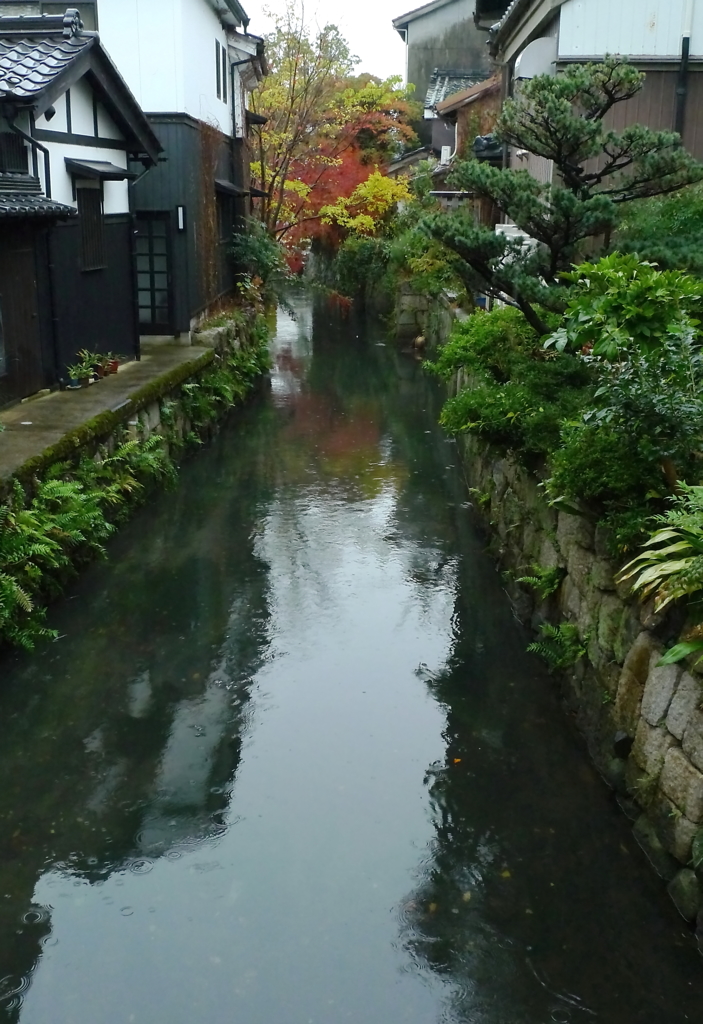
(643, 722)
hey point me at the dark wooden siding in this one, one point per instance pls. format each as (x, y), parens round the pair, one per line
(95, 309)
(178, 181)
(172, 183)
(26, 319)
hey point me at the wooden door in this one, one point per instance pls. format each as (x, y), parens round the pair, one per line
(21, 366)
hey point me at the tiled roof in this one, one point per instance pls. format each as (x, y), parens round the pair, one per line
(21, 196)
(514, 7)
(31, 60)
(23, 204)
(445, 83)
(466, 96)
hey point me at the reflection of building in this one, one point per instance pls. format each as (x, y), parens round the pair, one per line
(71, 138)
(445, 52)
(148, 716)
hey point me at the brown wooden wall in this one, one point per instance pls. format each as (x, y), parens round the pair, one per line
(655, 107)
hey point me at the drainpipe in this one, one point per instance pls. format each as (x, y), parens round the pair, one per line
(682, 84)
(35, 145)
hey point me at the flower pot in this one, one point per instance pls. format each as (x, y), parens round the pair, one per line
(113, 366)
(73, 384)
(98, 369)
(85, 382)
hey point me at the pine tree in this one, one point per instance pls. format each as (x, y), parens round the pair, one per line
(596, 171)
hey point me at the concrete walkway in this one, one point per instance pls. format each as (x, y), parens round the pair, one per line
(40, 423)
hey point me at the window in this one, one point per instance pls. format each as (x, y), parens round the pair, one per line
(221, 70)
(90, 211)
(13, 153)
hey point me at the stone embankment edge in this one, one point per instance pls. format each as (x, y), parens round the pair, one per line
(642, 722)
(100, 427)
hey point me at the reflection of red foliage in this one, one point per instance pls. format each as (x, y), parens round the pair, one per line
(334, 432)
(286, 361)
(341, 303)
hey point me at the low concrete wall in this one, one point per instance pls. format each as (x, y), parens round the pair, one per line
(143, 399)
(643, 723)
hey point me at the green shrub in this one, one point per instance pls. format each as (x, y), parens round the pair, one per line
(431, 268)
(620, 305)
(489, 341)
(666, 230)
(360, 263)
(515, 397)
(256, 254)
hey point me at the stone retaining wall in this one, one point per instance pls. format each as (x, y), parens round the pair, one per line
(643, 722)
(420, 315)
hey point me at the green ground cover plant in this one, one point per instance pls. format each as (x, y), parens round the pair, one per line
(560, 646)
(54, 523)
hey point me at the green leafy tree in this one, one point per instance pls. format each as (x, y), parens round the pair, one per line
(596, 172)
(666, 230)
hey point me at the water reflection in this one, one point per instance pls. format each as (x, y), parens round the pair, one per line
(128, 744)
(290, 762)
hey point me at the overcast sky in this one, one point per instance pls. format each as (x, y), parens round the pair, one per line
(366, 24)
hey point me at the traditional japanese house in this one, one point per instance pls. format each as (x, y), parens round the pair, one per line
(72, 137)
(663, 38)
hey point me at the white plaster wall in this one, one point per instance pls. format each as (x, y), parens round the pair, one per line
(81, 109)
(165, 51)
(107, 129)
(116, 192)
(201, 27)
(651, 28)
(58, 121)
(144, 39)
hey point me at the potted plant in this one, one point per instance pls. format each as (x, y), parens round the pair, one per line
(74, 377)
(112, 362)
(92, 361)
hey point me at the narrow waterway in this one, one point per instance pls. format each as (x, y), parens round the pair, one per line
(289, 763)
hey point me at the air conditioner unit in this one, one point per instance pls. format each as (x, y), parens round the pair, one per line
(446, 155)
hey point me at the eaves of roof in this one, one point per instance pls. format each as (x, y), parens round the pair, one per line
(511, 17)
(22, 204)
(467, 96)
(402, 20)
(515, 8)
(234, 9)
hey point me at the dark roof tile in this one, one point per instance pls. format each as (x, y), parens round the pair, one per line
(27, 204)
(445, 83)
(30, 63)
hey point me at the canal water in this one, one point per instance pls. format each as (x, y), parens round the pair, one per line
(289, 763)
